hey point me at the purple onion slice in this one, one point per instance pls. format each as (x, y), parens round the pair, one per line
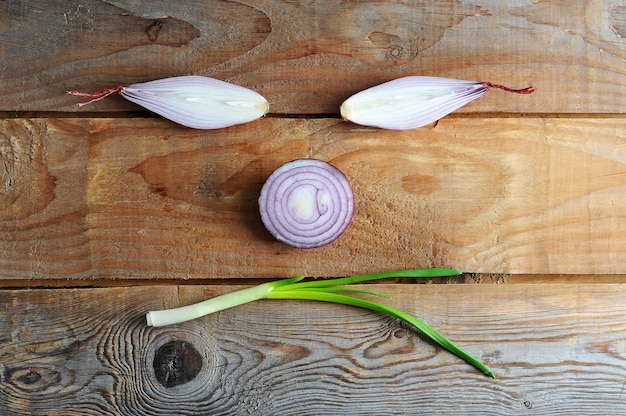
(306, 203)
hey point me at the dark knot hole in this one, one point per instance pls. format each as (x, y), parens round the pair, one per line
(176, 363)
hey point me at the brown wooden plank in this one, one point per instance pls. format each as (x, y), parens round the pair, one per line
(307, 57)
(556, 349)
(487, 278)
(107, 198)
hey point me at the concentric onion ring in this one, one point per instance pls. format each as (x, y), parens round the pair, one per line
(306, 203)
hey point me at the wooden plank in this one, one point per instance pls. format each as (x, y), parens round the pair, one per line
(125, 198)
(307, 57)
(556, 349)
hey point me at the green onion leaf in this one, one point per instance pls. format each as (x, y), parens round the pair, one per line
(325, 290)
(388, 310)
(434, 272)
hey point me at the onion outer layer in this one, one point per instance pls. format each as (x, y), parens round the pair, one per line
(306, 203)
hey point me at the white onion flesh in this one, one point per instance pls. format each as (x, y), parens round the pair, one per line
(198, 102)
(410, 102)
(306, 203)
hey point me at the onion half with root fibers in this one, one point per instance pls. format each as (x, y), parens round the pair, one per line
(414, 101)
(193, 101)
(306, 203)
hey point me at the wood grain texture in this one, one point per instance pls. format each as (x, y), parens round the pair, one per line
(307, 57)
(511, 189)
(124, 198)
(556, 349)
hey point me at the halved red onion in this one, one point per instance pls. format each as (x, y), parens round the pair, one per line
(306, 203)
(193, 101)
(414, 101)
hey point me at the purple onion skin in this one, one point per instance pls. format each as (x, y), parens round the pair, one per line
(306, 203)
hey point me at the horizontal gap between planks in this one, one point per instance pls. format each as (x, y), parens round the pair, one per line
(466, 278)
(147, 114)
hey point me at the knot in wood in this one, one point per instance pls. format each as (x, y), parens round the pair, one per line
(396, 52)
(153, 30)
(176, 363)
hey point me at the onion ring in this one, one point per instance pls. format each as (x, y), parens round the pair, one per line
(306, 203)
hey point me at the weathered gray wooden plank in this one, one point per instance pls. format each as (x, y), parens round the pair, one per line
(556, 349)
(306, 57)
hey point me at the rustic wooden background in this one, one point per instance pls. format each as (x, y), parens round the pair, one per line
(107, 212)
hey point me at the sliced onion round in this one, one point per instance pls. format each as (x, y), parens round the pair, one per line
(306, 203)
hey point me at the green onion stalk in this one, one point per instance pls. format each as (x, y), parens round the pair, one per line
(325, 290)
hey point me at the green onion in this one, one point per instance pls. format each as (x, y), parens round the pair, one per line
(324, 290)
